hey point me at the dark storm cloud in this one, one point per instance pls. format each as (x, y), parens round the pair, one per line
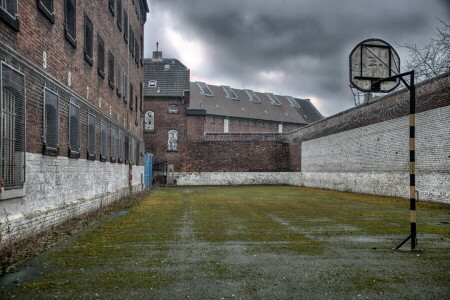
(307, 40)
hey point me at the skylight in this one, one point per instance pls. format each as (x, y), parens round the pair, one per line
(293, 102)
(253, 97)
(273, 99)
(204, 89)
(229, 92)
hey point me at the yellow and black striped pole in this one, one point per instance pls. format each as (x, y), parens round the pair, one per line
(412, 160)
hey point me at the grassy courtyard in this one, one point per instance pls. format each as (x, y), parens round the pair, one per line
(246, 242)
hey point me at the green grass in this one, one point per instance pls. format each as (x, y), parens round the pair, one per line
(249, 239)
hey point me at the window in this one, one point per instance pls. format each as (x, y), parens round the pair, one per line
(229, 92)
(119, 80)
(91, 137)
(51, 123)
(74, 129)
(103, 129)
(213, 119)
(141, 88)
(127, 149)
(293, 102)
(88, 40)
(113, 143)
(273, 99)
(111, 7)
(131, 96)
(173, 109)
(252, 96)
(133, 151)
(70, 22)
(120, 150)
(125, 88)
(125, 26)
(12, 135)
(46, 7)
(152, 83)
(136, 50)
(131, 38)
(119, 14)
(8, 13)
(172, 142)
(101, 57)
(111, 69)
(204, 89)
(247, 123)
(231, 122)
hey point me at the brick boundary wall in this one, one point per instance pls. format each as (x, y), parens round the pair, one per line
(365, 149)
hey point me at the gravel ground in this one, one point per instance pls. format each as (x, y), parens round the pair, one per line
(259, 242)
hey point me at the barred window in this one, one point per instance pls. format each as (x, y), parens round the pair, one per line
(111, 69)
(46, 7)
(51, 122)
(111, 7)
(119, 14)
(136, 50)
(74, 129)
(120, 147)
(125, 88)
(127, 149)
(119, 80)
(12, 119)
(91, 137)
(141, 86)
(101, 57)
(9, 6)
(131, 96)
(131, 38)
(88, 40)
(138, 152)
(125, 26)
(70, 12)
(113, 143)
(103, 133)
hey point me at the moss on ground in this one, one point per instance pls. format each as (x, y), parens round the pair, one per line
(252, 240)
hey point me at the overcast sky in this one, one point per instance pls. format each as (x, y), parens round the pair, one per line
(289, 47)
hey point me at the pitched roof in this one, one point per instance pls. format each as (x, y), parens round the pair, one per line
(166, 77)
(251, 105)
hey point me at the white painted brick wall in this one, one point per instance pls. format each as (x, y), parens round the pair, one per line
(375, 158)
(59, 188)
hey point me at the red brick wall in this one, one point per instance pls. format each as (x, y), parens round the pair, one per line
(236, 154)
(37, 34)
(156, 142)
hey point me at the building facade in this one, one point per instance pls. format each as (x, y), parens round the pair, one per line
(71, 108)
(193, 126)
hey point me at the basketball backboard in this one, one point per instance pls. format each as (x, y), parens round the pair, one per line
(370, 61)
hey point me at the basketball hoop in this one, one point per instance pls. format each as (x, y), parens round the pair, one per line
(372, 63)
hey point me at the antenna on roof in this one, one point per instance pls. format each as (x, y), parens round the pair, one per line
(157, 45)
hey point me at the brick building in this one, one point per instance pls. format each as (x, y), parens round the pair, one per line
(71, 102)
(188, 122)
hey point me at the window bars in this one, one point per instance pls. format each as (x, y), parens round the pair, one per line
(51, 122)
(12, 163)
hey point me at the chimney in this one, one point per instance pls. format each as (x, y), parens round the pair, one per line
(157, 55)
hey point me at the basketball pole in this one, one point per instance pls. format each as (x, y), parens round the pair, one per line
(412, 155)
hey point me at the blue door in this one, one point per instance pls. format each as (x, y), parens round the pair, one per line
(148, 170)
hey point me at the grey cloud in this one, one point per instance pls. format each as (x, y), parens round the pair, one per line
(305, 39)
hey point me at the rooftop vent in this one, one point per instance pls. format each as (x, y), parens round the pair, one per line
(253, 98)
(273, 99)
(157, 56)
(229, 92)
(204, 89)
(293, 102)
